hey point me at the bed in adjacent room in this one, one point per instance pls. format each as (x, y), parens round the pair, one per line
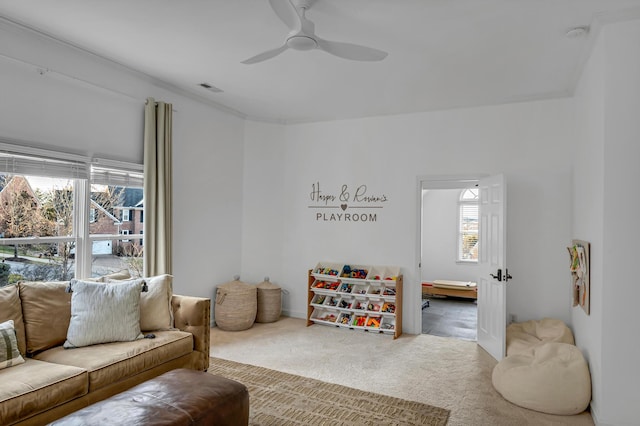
(464, 289)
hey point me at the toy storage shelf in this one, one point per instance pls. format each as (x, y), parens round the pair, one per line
(367, 298)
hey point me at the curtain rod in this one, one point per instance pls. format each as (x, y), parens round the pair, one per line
(42, 70)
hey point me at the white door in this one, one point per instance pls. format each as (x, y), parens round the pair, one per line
(492, 311)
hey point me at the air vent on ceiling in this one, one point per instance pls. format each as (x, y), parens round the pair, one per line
(210, 87)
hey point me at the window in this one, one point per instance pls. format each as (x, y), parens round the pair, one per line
(120, 187)
(57, 215)
(468, 226)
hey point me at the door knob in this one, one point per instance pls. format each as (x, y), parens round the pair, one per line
(507, 276)
(498, 276)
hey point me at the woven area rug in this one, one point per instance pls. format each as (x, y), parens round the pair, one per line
(282, 399)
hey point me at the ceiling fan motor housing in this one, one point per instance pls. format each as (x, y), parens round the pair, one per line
(301, 42)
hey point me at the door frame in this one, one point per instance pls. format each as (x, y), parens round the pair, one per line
(433, 182)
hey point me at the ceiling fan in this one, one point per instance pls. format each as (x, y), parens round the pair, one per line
(302, 36)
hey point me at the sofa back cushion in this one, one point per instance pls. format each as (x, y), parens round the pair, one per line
(11, 309)
(46, 307)
(155, 303)
(104, 313)
(9, 353)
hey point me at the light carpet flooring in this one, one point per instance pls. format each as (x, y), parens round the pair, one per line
(449, 373)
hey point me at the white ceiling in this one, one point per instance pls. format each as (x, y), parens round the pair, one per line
(442, 53)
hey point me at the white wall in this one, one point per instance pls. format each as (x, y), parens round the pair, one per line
(263, 222)
(439, 238)
(529, 142)
(621, 176)
(605, 177)
(90, 106)
(588, 210)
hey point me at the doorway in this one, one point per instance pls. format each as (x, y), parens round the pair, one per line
(492, 254)
(449, 248)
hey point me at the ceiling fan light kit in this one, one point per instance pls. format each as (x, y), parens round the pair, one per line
(577, 32)
(300, 42)
(302, 36)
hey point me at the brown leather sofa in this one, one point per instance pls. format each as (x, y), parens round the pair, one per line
(53, 382)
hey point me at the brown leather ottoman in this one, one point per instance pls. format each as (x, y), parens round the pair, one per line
(178, 397)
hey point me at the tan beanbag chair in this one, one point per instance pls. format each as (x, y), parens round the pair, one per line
(524, 335)
(551, 377)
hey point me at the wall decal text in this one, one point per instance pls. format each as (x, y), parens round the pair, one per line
(346, 197)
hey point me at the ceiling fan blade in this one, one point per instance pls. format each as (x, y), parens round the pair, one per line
(351, 51)
(265, 55)
(287, 13)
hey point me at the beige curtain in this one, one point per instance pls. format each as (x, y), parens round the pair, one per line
(157, 188)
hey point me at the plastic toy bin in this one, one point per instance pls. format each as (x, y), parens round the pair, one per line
(319, 299)
(327, 270)
(388, 324)
(324, 315)
(325, 286)
(374, 322)
(354, 272)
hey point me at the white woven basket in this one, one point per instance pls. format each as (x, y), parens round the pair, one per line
(236, 305)
(269, 301)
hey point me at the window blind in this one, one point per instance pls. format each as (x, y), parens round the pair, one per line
(117, 173)
(36, 162)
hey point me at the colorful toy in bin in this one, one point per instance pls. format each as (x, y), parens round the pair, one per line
(327, 271)
(327, 285)
(388, 291)
(373, 307)
(389, 308)
(328, 318)
(373, 322)
(345, 304)
(346, 288)
(345, 319)
(348, 272)
(360, 321)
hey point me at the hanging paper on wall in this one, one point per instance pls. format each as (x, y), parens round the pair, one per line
(579, 255)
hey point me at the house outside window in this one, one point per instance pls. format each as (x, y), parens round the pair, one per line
(468, 226)
(70, 205)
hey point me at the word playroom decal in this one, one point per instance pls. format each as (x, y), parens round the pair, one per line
(336, 206)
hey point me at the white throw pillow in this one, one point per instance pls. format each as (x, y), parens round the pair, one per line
(9, 353)
(104, 313)
(155, 303)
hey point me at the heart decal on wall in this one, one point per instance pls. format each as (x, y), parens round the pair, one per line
(343, 206)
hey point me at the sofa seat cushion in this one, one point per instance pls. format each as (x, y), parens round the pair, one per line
(36, 386)
(109, 363)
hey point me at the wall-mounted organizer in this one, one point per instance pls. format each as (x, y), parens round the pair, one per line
(358, 297)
